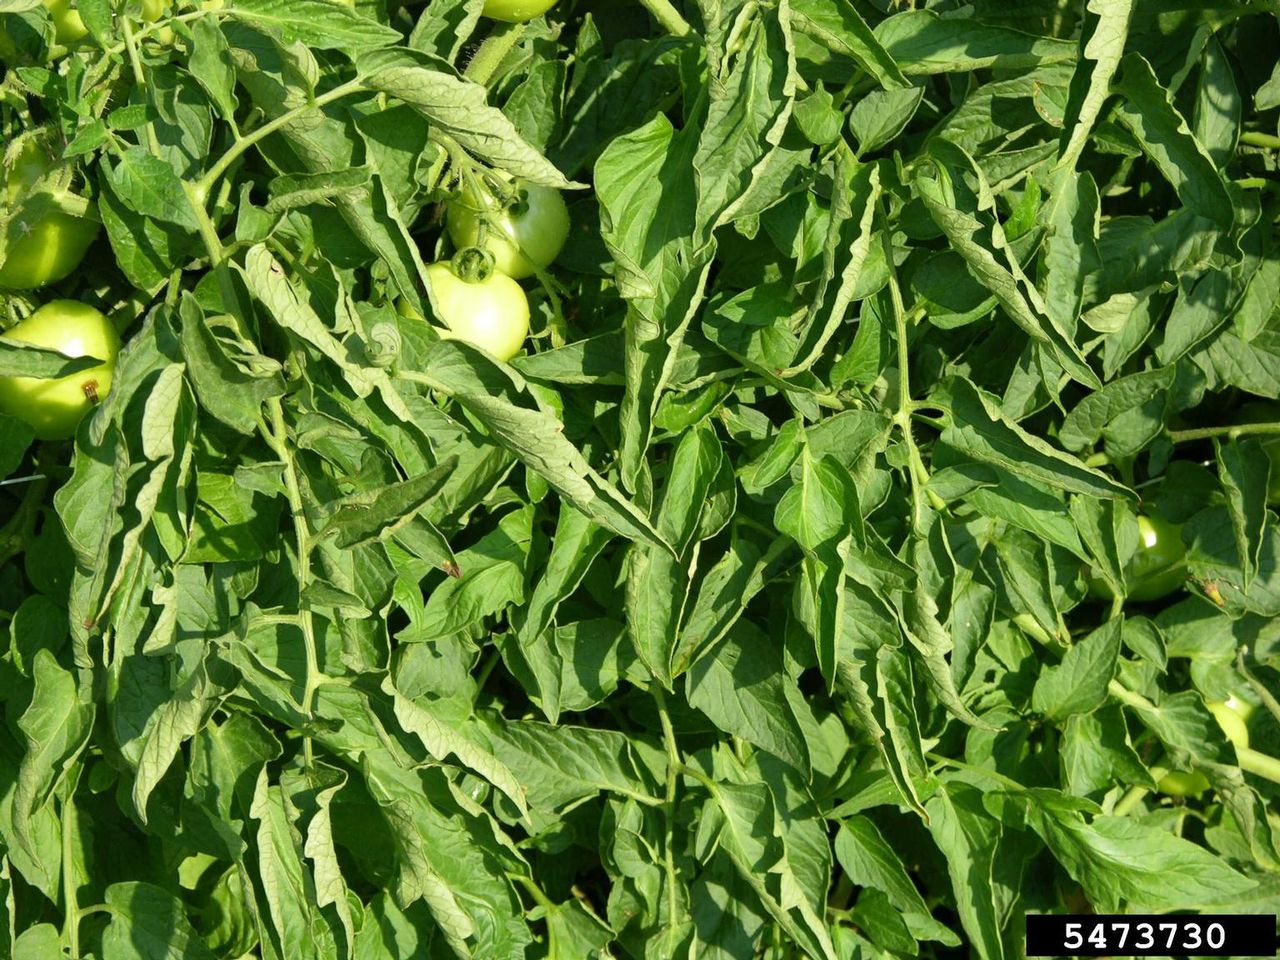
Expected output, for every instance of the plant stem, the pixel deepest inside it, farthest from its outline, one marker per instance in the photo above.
(1126, 804)
(493, 51)
(261, 133)
(674, 766)
(1231, 432)
(277, 437)
(668, 16)
(1260, 140)
(1129, 697)
(917, 472)
(71, 923)
(1258, 763)
(140, 78)
(535, 891)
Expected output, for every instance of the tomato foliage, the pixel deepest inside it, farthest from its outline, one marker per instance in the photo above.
(666, 478)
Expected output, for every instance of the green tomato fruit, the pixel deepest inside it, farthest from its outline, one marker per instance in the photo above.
(52, 248)
(516, 11)
(524, 238)
(54, 244)
(1179, 783)
(492, 314)
(68, 28)
(1232, 715)
(54, 408)
(1156, 568)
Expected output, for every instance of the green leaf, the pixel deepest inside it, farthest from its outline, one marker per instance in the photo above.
(1079, 683)
(979, 429)
(457, 108)
(1124, 863)
(316, 23)
(149, 923)
(1148, 111)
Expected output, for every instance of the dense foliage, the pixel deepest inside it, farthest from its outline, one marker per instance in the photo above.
(784, 594)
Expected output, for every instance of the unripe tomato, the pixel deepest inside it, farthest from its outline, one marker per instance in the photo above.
(524, 237)
(53, 248)
(516, 11)
(67, 25)
(52, 245)
(1179, 783)
(492, 313)
(55, 407)
(1156, 568)
(1232, 715)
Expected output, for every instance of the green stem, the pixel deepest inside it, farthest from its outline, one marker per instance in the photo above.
(668, 16)
(918, 475)
(261, 133)
(493, 51)
(1258, 763)
(1260, 140)
(1230, 432)
(1128, 697)
(71, 923)
(140, 78)
(535, 891)
(277, 437)
(674, 765)
(1129, 802)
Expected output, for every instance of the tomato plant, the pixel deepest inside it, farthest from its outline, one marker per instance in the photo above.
(524, 234)
(516, 11)
(716, 594)
(51, 243)
(491, 313)
(55, 407)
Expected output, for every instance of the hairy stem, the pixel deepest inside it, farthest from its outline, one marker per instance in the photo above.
(493, 51)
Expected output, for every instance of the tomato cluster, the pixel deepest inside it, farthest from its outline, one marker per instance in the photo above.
(518, 231)
(46, 246)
